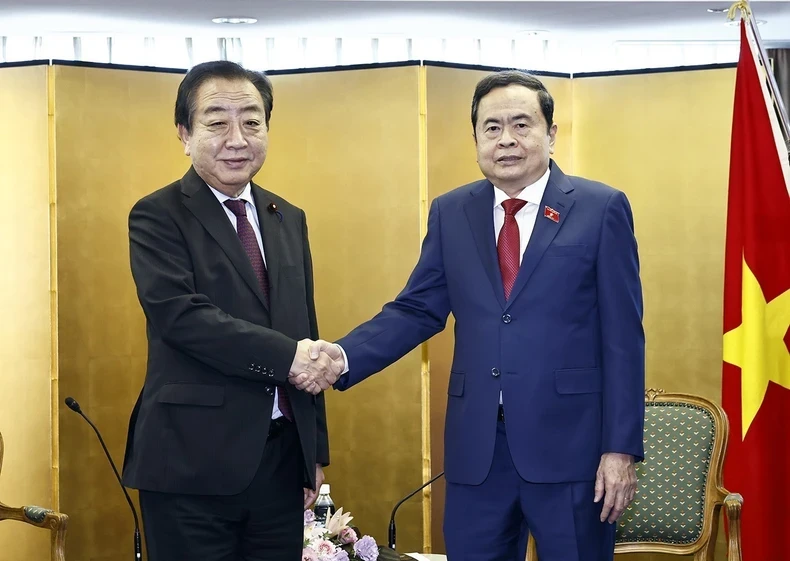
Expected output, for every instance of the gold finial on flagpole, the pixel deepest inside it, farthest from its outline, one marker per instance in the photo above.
(743, 6)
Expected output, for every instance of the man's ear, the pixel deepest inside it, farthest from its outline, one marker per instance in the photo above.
(552, 137)
(184, 136)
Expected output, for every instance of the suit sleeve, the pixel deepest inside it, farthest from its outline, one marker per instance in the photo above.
(187, 320)
(419, 312)
(622, 333)
(322, 435)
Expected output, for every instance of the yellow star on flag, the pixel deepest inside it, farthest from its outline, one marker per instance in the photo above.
(757, 345)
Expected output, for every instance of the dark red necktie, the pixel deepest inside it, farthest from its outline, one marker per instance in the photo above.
(250, 244)
(509, 245)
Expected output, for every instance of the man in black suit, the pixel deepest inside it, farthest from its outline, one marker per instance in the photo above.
(224, 450)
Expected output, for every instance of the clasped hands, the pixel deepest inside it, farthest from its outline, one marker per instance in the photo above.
(316, 366)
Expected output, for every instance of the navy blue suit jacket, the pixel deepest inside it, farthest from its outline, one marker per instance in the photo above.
(566, 349)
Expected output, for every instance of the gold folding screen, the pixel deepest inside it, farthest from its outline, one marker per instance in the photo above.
(363, 152)
(664, 140)
(26, 329)
(344, 148)
(115, 142)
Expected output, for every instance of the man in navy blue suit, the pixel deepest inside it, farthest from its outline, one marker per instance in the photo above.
(545, 407)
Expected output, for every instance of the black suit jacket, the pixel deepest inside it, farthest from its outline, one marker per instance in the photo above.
(216, 349)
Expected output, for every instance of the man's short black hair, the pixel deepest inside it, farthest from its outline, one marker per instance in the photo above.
(197, 75)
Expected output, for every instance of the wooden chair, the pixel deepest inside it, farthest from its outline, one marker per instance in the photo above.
(41, 517)
(680, 492)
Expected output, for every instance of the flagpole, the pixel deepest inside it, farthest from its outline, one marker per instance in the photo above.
(773, 87)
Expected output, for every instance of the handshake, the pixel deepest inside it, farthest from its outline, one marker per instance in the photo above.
(316, 366)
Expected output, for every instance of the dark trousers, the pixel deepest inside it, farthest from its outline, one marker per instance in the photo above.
(491, 521)
(264, 522)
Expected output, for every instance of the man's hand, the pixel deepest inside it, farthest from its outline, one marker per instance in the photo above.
(314, 371)
(332, 349)
(616, 480)
(310, 495)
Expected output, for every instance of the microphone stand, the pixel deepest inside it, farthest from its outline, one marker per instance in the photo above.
(138, 548)
(391, 532)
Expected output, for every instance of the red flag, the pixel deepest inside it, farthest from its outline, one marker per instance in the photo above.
(756, 371)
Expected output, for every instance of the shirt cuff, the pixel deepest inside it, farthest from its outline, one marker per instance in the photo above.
(345, 359)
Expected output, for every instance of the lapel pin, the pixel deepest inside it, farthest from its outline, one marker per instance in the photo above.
(551, 214)
(272, 208)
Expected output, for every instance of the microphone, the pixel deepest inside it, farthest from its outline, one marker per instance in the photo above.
(391, 533)
(272, 208)
(72, 404)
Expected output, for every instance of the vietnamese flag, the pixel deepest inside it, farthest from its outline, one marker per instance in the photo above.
(756, 370)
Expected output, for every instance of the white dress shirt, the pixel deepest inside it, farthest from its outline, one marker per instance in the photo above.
(525, 217)
(252, 217)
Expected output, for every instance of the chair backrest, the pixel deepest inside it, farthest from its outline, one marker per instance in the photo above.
(670, 504)
(680, 493)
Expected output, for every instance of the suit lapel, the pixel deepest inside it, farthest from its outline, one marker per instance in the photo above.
(204, 205)
(557, 197)
(480, 213)
(271, 236)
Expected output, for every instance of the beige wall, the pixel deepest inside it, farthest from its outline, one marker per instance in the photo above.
(25, 332)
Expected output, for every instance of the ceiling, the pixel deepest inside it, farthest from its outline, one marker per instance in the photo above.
(610, 21)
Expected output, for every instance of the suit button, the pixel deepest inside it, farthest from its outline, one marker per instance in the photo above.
(506, 318)
(495, 372)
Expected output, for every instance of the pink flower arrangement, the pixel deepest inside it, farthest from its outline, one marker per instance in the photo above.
(336, 540)
(347, 536)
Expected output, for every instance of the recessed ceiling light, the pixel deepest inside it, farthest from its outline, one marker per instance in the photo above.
(718, 10)
(234, 20)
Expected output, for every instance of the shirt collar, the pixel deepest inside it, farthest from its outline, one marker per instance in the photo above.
(531, 193)
(246, 195)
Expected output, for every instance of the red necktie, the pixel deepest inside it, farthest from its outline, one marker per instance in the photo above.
(250, 244)
(509, 244)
